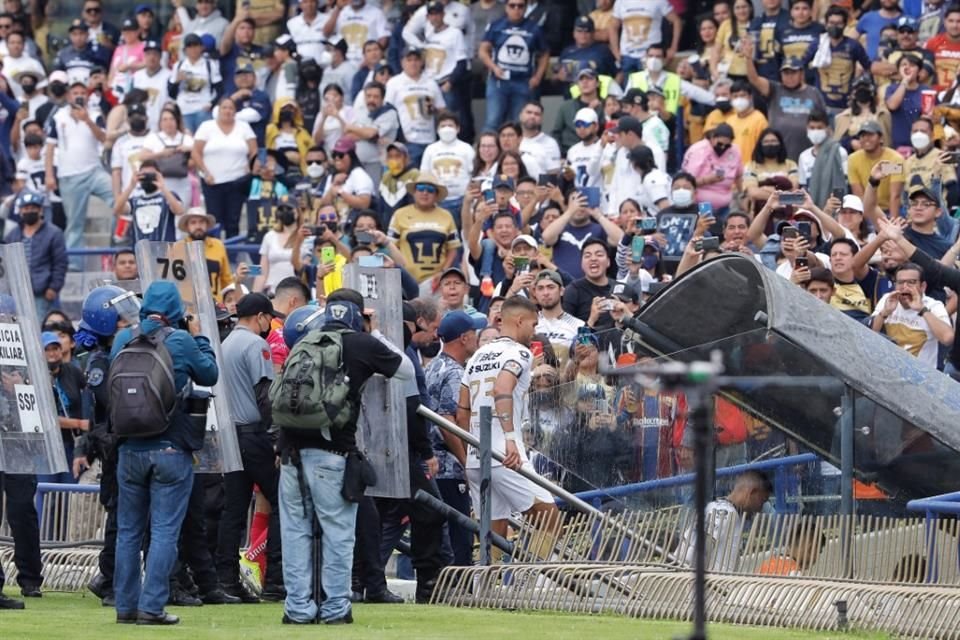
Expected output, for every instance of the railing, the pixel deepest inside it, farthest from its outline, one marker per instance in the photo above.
(234, 246)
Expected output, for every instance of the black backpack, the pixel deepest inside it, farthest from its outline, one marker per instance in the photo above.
(143, 393)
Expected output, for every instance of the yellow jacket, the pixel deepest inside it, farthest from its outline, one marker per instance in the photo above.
(303, 138)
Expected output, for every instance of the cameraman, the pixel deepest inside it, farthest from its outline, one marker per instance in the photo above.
(151, 205)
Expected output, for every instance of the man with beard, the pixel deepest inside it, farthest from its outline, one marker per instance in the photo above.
(152, 206)
(153, 79)
(535, 142)
(374, 130)
(555, 323)
(195, 223)
(586, 156)
(589, 297)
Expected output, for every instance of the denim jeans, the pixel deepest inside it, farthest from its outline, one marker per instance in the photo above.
(43, 308)
(415, 150)
(323, 478)
(504, 100)
(453, 205)
(628, 65)
(154, 490)
(193, 120)
(76, 191)
(224, 201)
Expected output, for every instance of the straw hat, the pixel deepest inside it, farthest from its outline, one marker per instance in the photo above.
(428, 178)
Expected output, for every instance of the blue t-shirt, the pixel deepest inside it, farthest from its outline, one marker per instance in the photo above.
(801, 42)
(836, 80)
(569, 246)
(767, 51)
(228, 64)
(152, 218)
(597, 56)
(871, 24)
(902, 119)
(516, 46)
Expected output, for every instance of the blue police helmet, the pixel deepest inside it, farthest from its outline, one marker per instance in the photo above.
(300, 322)
(100, 310)
(28, 198)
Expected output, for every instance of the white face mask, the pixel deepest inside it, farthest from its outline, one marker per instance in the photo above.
(325, 59)
(919, 140)
(447, 134)
(315, 170)
(654, 64)
(682, 198)
(740, 104)
(816, 136)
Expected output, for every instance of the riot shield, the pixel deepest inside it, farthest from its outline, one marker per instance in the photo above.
(30, 440)
(184, 264)
(382, 432)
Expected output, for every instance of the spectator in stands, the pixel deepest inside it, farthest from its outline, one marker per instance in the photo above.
(769, 169)
(903, 100)
(59, 323)
(584, 298)
(746, 121)
(584, 158)
(717, 167)
(356, 23)
(727, 57)
(822, 168)
(945, 47)
(341, 70)
(514, 52)
(930, 165)
(565, 130)
(207, 20)
(915, 321)
(151, 204)
(125, 265)
(195, 83)
(351, 188)
(74, 137)
(835, 78)
(817, 281)
(568, 234)
(417, 99)
(127, 58)
(451, 160)
(18, 64)
(170, 147)
(287, 135)
(399, 173)
(865, 106)
(556, 324)
(907, 42)
(874, 153)
(375, 128)
(79, 58)
(635, 26)
(196, 223)
(873, 22)
(238, 48)
(306, 29)
(425, 233)
(222, 151)
(673, 87)
(152, 78)
(447, 61)
(125, 159)
(372, 60)
(47, 257)
(654, 186)
(276, 249)
(586, 53)
(535, 142)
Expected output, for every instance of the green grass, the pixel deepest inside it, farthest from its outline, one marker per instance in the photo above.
(74, 616)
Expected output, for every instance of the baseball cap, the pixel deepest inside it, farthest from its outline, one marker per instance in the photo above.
(586, 115)
(870, 126)
(253, 304)
(344, 145)
(625, 293)
(587, 71)
(191, 40)
(634, 96)
(549, 274)
(49, 338)
(58, 76)
(136, 109)
(339, 44)
(244, 68)
(525, 239)
(78, 24)
(629, 124)
(791, 63)
(233, 287)
(151, 45)
(399, 146)
(503, 181)
(853, 202)
(435, 7)
(906, 23)
(456, 323)
(142, 8)
(922, 190)
(722, 130)
(412, 51)
(453, 271)
(129, 24)
(285, 42)
(584, 23)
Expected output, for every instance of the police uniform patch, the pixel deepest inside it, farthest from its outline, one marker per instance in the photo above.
(94, 377)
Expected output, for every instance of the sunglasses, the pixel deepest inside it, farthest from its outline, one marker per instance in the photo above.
(92, 10)
(327, 217)
(426, 188)
(336, 155)
(582, 124)
(516, 6)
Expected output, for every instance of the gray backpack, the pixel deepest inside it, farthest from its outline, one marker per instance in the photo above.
(143, 393)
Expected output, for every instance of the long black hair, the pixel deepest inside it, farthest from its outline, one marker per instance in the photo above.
(758, 156)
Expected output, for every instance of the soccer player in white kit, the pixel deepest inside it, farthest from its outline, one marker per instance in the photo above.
(498, 376)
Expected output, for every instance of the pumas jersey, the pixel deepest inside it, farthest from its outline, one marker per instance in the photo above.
(480, 376)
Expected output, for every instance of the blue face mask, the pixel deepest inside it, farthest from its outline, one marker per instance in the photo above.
(651, 261)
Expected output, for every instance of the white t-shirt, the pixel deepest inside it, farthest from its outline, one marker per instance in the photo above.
(332, 130)
(806, 161)
(451, 163)
(196, 91)
(279, 256)
(125, 156)
(640, 24)
(559, 331)
(409, 97)
(308, 37)
(455, 15)
(33, 173)
(225, 155)
(156, 88)
(479, 377)
(785, 268)
(586, 162)
(357, 26)
(724, 528)
(656, 186)
(441, 53)
(358, 183)
(545, 149)
(910, 331)
(78, 150)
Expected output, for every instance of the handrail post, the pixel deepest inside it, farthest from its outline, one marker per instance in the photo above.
(486, 507)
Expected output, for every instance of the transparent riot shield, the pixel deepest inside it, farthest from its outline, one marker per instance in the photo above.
(382, 433)
(30, 440)
(132, 286)
(184, 264)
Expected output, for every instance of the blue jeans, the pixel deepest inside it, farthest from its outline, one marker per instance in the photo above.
(453, 205)
(323, 478)
(628, 65)
(154, 489)
(505, 98)
(415, 149)
(193, 120)
(43, 308)
(76, 192)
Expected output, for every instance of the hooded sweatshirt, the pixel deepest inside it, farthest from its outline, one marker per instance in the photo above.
(192, 356)
(298, 137)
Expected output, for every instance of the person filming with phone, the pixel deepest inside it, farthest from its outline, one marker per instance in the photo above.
(874, 154)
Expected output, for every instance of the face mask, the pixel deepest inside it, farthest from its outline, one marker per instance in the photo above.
(325, 59)
(770, 150)
(889, 43)
(650, 262)
(58, 89)
(919, 140)
(655, 64)
(286, 217)
(816, 136)
(682, 197)
(740, 104)
(315, 170)
(138, 124)
(395, 167)
(723, 105)
(863, 95)
(834, 31)
(447, 134)
(30, 217)
(28, 88)
(720, 148)
(286, 117)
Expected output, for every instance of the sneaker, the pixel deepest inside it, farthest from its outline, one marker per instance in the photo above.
(347, 619)
(273, 593)
(384, 597)
(486, 287)
(6, 602)
(250, 575)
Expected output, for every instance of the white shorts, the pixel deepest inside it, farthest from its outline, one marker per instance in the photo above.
(510, 492)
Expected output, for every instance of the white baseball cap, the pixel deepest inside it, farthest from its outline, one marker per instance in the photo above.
(525, 239)
(586, 115)
(851, 201)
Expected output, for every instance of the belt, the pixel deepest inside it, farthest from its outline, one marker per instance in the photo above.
(254, 427)
(342, 454)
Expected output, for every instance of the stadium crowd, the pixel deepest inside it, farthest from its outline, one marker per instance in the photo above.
(618, 144)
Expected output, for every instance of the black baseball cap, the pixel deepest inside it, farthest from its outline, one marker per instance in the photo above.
(584, 23)
(722, 130)
(253, 304)
(629, 123)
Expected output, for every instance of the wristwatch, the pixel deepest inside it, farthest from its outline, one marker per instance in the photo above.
(922, 311)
